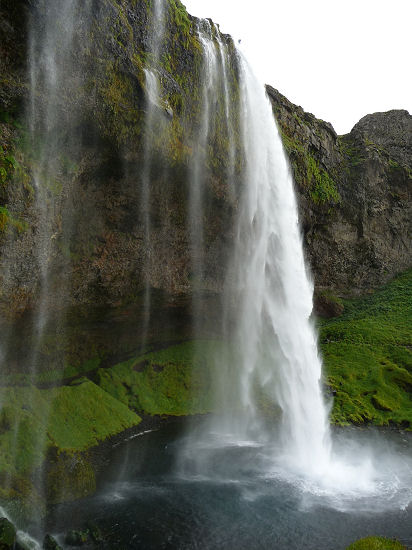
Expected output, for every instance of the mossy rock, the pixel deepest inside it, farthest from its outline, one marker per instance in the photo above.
(328, 305)
(7, 534)
(376, 543)
(76, 538)
(90, 534)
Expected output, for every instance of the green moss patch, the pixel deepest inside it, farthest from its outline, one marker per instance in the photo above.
(376, 543)
(320, 185)
(368, 357)
(322, 188)
(175, 381)
(70, 418)
(7, 220)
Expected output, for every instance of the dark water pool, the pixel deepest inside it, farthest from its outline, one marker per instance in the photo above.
(144, 504)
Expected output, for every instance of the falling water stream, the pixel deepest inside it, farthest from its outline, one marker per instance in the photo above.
(54, 142)
(151, 119)
(198, 172)
(268, 385)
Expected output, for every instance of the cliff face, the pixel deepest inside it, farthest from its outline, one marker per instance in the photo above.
(108, 97)
(95, 264)
(94, 241)
(354, 191)
(354, 195)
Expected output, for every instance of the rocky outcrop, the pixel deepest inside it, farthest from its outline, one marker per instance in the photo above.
(355, 195)
(391, 131)
(7, 534)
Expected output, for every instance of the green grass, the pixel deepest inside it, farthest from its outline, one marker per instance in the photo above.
(56, 427)
(175, 381)
(180, 16)
(70, 418)
(368, 357)
(376, 543)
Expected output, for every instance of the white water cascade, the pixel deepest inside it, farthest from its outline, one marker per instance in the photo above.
(151, 119)
(197, 168)
(276, 351)
(52, 71)
(268, 384)
(230, 112)
(275, 358)
(25, 540)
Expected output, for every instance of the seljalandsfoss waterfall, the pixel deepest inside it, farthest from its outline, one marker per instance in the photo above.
(205, 325)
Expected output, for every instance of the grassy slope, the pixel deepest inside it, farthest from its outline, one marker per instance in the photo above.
(69, 418)
(75, 417)
(174, 381)
(368, 357)
(57, 425)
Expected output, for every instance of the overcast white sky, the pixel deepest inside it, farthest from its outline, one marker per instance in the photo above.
(339, 59)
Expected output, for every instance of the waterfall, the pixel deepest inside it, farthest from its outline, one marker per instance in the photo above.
(269, 404)
(268, 383)
(55, 140)
(267, 380)
(198, 164)
(230, 114)
(55, 149)
(151, 119)
(277, 360)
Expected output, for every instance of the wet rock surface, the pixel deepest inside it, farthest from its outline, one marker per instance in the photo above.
(50, 543)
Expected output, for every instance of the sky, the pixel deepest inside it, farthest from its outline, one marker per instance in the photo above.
(338, 59)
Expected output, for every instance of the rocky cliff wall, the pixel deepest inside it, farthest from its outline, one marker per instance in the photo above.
(101, 188)
(98, 258)
(354, 195)
(354, 191)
